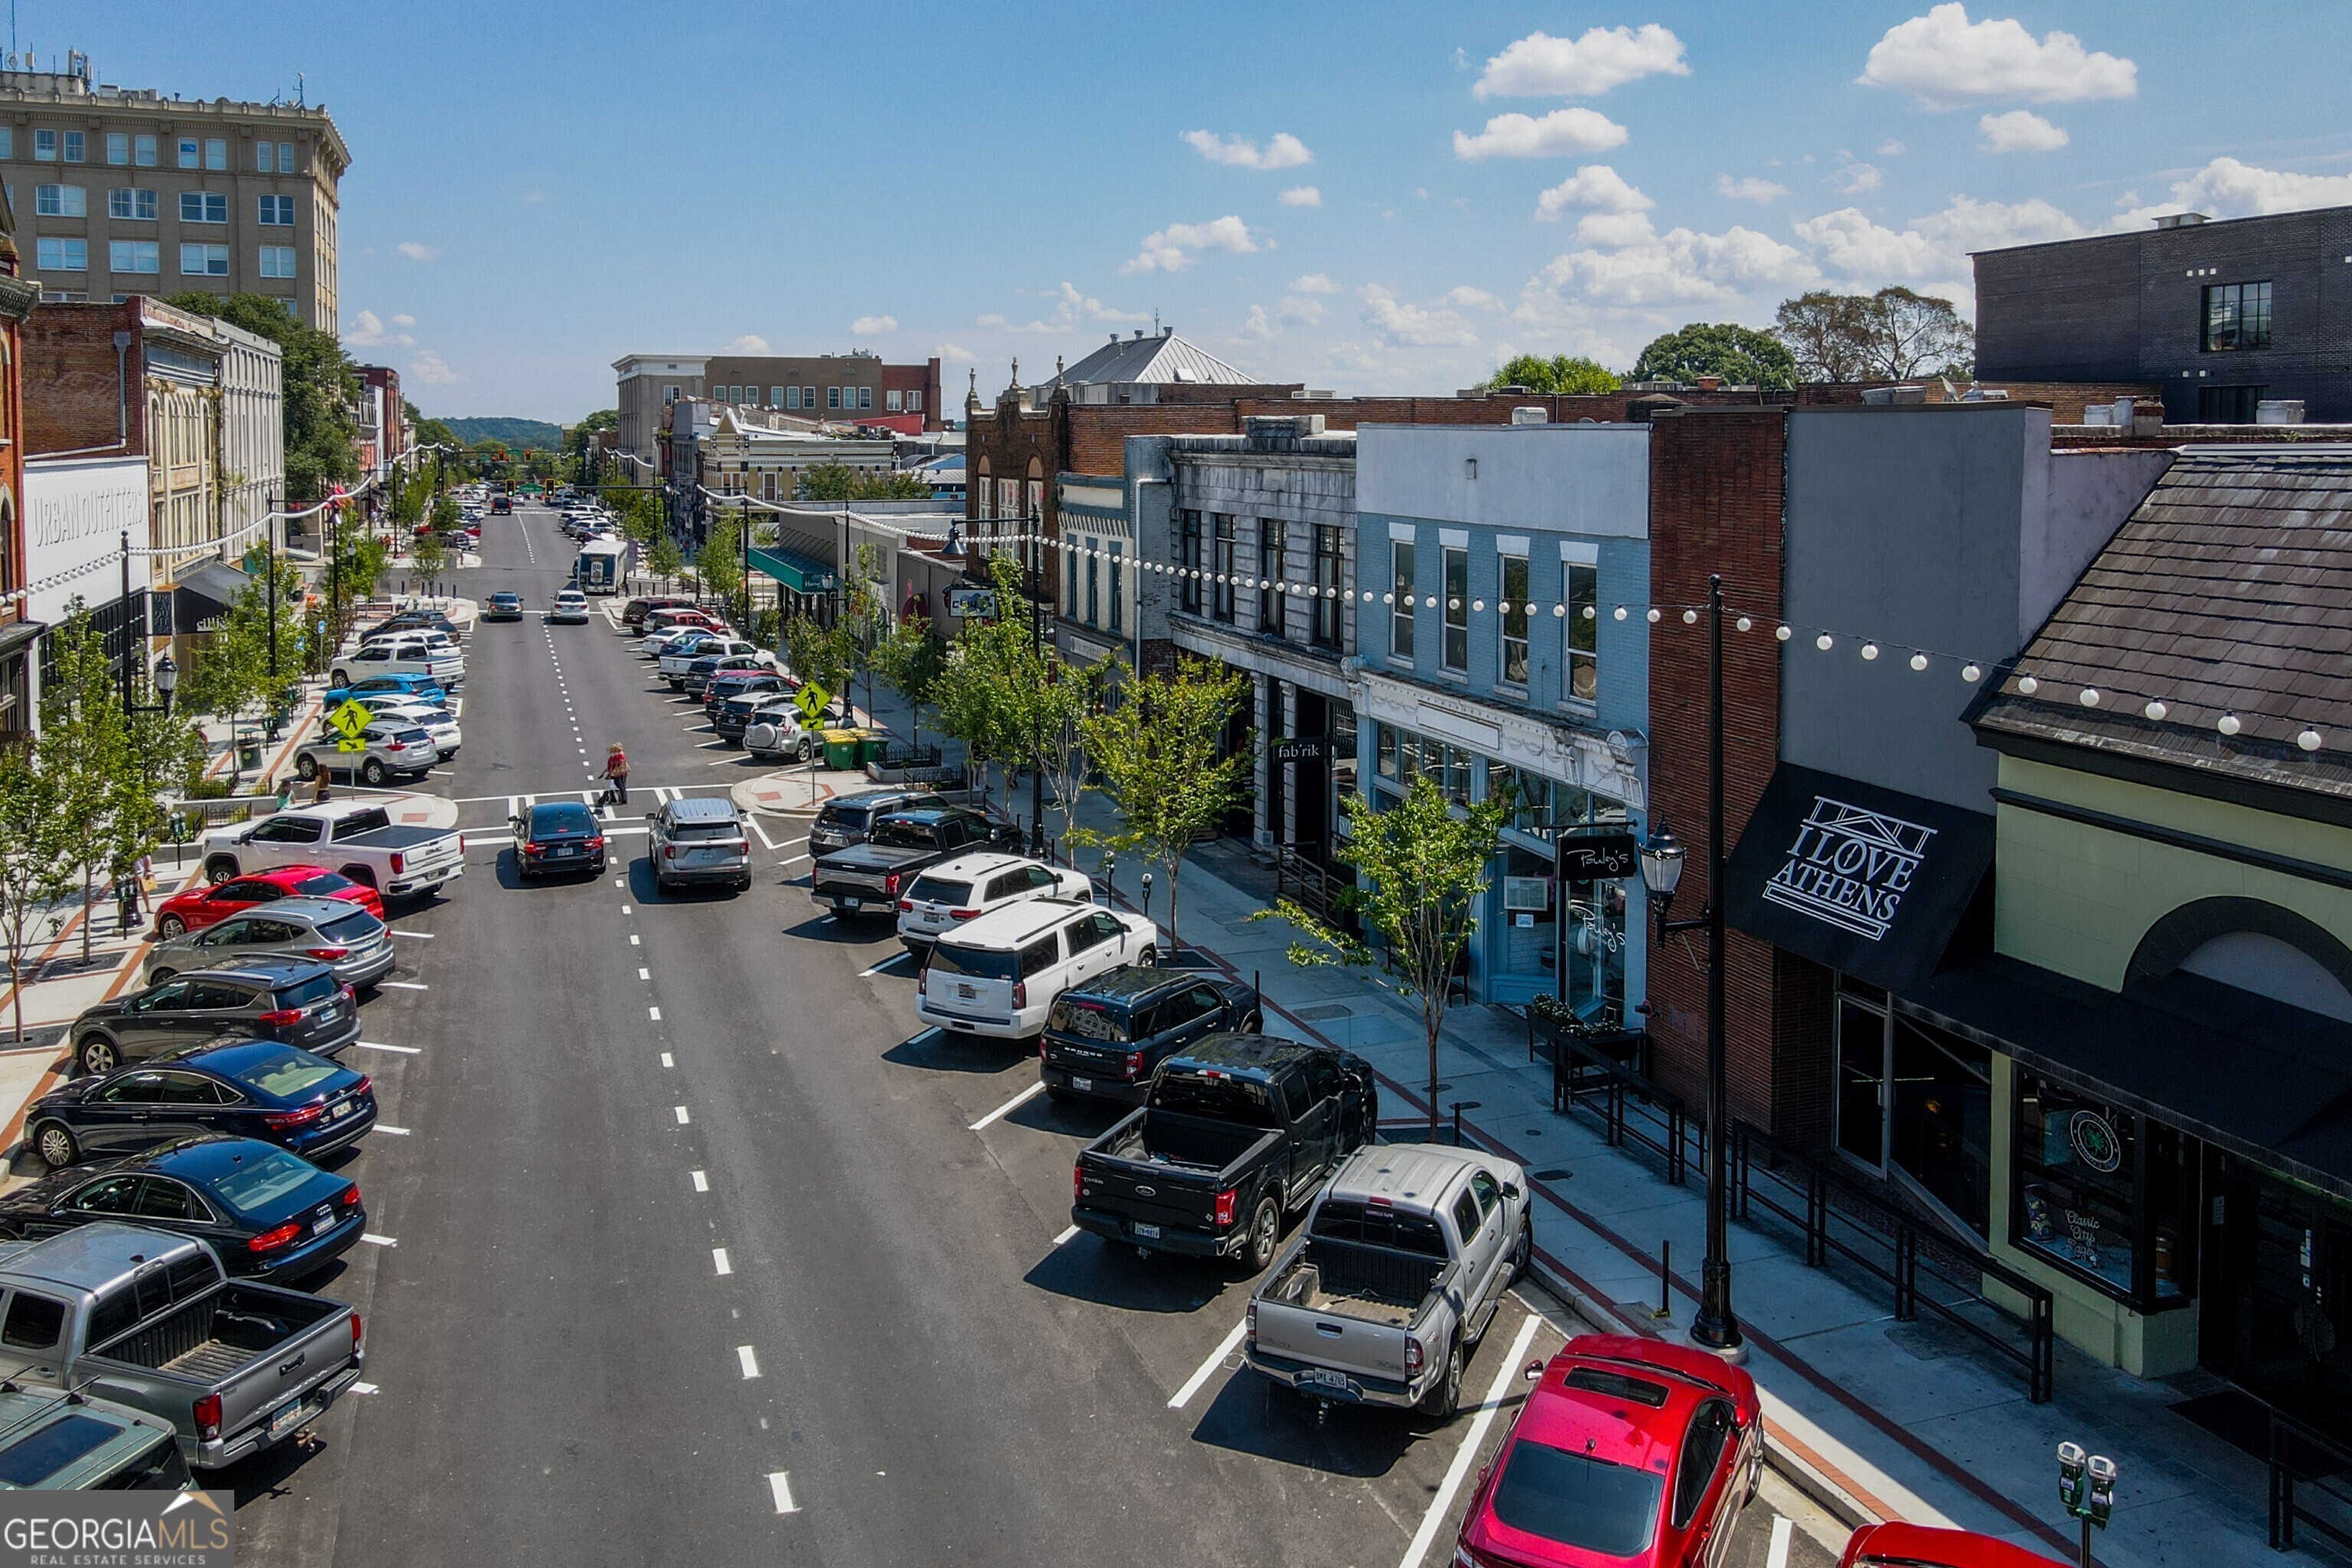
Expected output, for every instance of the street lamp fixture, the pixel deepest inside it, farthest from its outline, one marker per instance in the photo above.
(166, 681)
(1662, 866)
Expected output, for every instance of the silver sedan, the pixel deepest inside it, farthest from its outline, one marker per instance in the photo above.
(341, 934)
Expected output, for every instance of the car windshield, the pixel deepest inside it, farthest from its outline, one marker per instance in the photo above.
(939, 890)
(1346, 1219)
(325, 885)
(893, 835)
(1577, 1500)
(852, 817)
(705, 830)
(1088, 1021)
(980, 963)
(1220, 1098)
(265, 1182)
(351, 928)
(286, 1074)
(571, 818)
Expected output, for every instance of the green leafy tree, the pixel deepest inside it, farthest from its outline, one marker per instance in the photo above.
(578, 439)
(909, 659)
(720, 562)
(411, 496)
(1742, 356)
(664, 560)
(1163, 752)
(85, 742)
(432, 558)
(986, 689)
(356, 563)
(839, 482)
(1564, 374)
(1829, 333)
(38, 841)
(1892, 335)
(1069, 698)
(320, 387)
(1421, 866)
(820, 656)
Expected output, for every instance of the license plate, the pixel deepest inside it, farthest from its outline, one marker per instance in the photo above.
(340, 1112)
(1082, 1085)
(567, 849)
(287, 1419)
(969, 992)
(1148, 1232)
(1320, 1379)
(320, 1227)
(852, 903)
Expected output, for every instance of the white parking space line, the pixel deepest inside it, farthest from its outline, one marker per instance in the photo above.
(719, 1260)
(927, 1034)
(364, 1388)
(780, 1487)
(1467, 1454)
(666, 1061)
(645, 975)
(886, 964)
(1066, 1236)
(406, 985)
(1208, 1368)
(764, 834)
(791, 843)
(395, 1131)
(419, 935)
(633, 939)
(701, 1181)
(680, 1112)
(372, 1239)
(1015, 1103)
(751, 1362)
(375, 1046)
(624, 909)
(722, 763)
(1777, 1554)
(791, 859)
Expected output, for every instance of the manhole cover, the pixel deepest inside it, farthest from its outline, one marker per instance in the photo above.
(1554, 1175)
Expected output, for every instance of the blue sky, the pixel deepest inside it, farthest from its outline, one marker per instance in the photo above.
(538, 189)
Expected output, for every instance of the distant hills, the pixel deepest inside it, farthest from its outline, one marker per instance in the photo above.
(515, 433)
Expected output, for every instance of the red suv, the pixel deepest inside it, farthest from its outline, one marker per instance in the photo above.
(1897, 1545)
(1627, 1451)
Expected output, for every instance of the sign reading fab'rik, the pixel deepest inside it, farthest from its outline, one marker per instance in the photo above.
(1869, 881)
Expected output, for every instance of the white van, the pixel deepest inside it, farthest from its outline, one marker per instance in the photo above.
(998, 976)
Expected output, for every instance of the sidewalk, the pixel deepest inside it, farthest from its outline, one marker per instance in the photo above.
(1872, 1418)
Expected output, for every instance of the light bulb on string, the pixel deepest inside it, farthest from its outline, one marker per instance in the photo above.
(1620, 611)
(1744, 624)
(2155, 711)
(1782, 632)
(2090, 697)
(1971, 673)
(2027, 685)
(1869, 652)
(1825, 642)
(2310, 740)
(1918, 661)
(2227, 724)
(1690, 617)
(1653, 615)
(1559, 612)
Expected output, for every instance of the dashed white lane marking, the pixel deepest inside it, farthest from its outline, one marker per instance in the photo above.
(654, 1013)
(680, 1112)
(719, 1260)
(406, 985)
(419, 935)
(633, 940)
(780, 1487)
(1015, 1103)
(751, 1362)
(1426, 1536)
(645, 975)
(624, 909)
(403, 1050)
(877, 968)
(372, 1239)
(701, 1181)
(395, 1131)
(665, 1060)
(1208, 1368)
(1066, 1236)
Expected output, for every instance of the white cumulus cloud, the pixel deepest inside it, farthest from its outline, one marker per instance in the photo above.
(428, 369)
(417, 252)
(1283, 152)
(1748, 189)
(1258, 324)
(2019, 131)
(368, 331)
(1300, 311)
(1072, 308)
(1890, 147)
(1596, 187)
(1934, 249)
(1613, 229)
(1301, 196)
(1171, 250)
(1541, 66)
(1474, 299)
(950, 351)
(1313, 283)
(1643, 267)
(1416, 325)
(2228, 188)
(1562, 134)
(873, 326)
(1853, 179)
(749, 344)
(1945, 61)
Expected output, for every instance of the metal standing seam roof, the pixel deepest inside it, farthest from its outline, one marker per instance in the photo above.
(1163, 358)
(702, 808)
(2227, 592)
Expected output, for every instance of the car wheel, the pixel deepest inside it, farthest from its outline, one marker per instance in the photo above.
(170, 926)
(99, 1055)
(157, 976)
(1264, 1234)
(1445, 1398)
(219, 869)
(1253, 1024)
(373, 773)
(1523, 1251)
(54, 1142)
(1148, 957)
(306, 767)
(340, 677)
(805, 749)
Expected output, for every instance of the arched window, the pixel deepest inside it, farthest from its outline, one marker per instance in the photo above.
(2254, 946)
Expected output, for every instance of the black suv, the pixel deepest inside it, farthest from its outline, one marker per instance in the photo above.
(717, 689)
(844, 821)
(296, 1001)
(1105, 1038)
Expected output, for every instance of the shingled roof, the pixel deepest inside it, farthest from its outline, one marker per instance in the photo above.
(2227, 594)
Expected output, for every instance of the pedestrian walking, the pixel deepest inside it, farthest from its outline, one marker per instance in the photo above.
(615, 775)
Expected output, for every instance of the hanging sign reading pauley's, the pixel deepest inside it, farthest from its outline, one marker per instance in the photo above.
(1869, 881)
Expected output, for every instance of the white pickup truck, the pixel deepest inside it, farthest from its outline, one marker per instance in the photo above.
(356, 837)
(736, 651)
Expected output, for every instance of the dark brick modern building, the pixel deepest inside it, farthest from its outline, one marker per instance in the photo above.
(2223, 316)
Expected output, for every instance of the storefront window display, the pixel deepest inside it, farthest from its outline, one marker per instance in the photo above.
(2105, 1194)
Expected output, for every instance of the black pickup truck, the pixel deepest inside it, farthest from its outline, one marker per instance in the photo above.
(865, 878)
(1237, 1134)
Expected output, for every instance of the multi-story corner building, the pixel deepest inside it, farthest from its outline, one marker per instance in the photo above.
(855, 388)
(126, 192)
(380, 431)
(252, 439)
(19, 625)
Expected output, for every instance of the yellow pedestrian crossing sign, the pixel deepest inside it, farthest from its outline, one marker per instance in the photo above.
(812, 700)
(350, 721)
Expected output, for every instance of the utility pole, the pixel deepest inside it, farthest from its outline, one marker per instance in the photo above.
(129, 647)
(1037, 645)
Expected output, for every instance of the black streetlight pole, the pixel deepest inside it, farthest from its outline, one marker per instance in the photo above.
(269, 535)
(1717, 1327)
(1037, 642)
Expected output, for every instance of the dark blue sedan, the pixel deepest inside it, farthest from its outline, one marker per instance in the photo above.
(264, 1211)
(251, 1089)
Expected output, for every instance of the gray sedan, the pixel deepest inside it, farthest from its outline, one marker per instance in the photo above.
(340, 935)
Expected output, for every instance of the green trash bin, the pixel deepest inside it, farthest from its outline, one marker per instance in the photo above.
(871, 745)
(840, 749)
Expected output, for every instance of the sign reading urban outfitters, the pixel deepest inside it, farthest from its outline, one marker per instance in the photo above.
(1869, 881)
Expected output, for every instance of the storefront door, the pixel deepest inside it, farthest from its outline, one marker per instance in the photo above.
(2277, 1317)
(1915, 1103)
(1310, 784)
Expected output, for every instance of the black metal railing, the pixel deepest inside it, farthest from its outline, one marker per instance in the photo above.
(1951, 1279)
(2307, 1464)
(1299, 873)
(1598, 1070)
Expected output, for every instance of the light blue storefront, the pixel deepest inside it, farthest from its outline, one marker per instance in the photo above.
(1496, 658)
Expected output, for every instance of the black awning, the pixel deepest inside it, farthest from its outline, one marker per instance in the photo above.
(1870, 881)
(204, 594)
(2270, 1081)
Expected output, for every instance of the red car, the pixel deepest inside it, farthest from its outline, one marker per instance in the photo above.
(1627, 1451)
(200, 907)
(1919, 1546)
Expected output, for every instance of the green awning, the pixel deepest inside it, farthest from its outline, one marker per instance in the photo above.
(802, 573)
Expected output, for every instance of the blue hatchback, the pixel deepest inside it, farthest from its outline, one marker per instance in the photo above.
(420, 686)
(264, 1211)
(252, 1088)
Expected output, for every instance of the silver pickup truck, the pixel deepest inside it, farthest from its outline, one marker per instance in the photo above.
(148, 1319)
(1407, 1255)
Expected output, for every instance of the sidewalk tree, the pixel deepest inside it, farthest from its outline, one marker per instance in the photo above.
(864, 612)
(987, 692)
(909, 659)
(664, 560)
(432, 558)
(37, 844)
(84, 742)
(1421, 866)
(839, 483)
(1065, 701)
(720, 562)
(1164, 753)
(821, 654)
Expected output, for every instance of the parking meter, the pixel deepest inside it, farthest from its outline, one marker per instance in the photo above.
(2103, 1489)
(2072, 1464)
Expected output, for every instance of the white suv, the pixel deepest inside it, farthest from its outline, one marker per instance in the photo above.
(1000, 974)
(971, 885)
(399, 655)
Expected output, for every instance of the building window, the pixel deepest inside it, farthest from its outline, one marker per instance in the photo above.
(142, 152)
(2237, 316)
(265, 157)
(118, 147)
(1188, 561)
(204, 261)
(1094, 582)
(1583, 580)
(1455, 656)
(191, 157)
(1036, 501)
(1403, 756)
(45, 146)
(2106, 1196)
(8, 141)
(914, 403)
(1221, 565)
(833, 397)
(890, 401)
(1326, 604)
(277, 261)
(57, 254)
(276, 211)
(1401, 616)
(1269, 571)
(1118, 604)
(76, 144)
(215, 154)
(286, 158)
(61, 201)
(775, 397)
(1514, 607)
(134, 255)
(865, 397)
(203, 206)
(131, 205)
(669, 394)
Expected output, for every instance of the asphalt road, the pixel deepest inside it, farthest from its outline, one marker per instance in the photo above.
(704, 1255)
